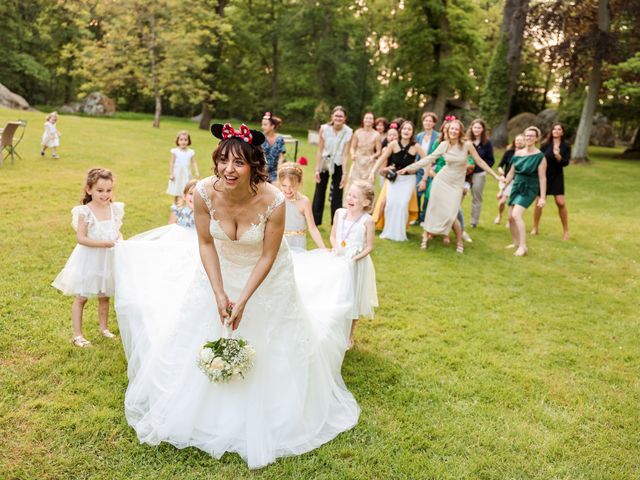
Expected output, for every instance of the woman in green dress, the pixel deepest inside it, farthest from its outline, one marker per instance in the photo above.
(529, 174)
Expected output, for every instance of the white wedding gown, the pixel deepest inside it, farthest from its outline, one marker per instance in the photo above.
(292, 401)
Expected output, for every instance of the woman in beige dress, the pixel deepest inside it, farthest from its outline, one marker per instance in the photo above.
(447, 186)
(365, 147)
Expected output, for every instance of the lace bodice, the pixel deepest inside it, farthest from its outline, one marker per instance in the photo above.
(248, 247)
(99, 229)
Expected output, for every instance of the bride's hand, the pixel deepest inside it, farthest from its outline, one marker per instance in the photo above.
(224, 305)
(236, 315)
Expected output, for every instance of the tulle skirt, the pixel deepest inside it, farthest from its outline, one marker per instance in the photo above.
(87, 273)
(292, 401)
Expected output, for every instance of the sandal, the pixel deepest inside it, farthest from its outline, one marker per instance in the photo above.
(460, 248)
(424, 242)
(107, 334)
(80, 341)
(510, 246)
(55, 156)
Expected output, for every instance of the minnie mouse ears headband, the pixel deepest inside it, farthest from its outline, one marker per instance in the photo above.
(226, 131)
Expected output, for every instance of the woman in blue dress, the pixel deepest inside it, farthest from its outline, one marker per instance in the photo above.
(273, 146)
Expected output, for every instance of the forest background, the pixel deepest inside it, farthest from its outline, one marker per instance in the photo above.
(298, 58)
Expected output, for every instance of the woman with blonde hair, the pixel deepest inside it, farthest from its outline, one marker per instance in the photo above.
(529, 174)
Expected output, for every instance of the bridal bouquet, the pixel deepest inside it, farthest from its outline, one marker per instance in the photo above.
(225, 359)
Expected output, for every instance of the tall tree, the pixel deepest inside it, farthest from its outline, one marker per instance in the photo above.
(213, 48)
(581, 143)
(430, 55)
(150, 47)
(505, 65)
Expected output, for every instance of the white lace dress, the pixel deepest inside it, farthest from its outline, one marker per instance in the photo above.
(294, 398)
(89, 270)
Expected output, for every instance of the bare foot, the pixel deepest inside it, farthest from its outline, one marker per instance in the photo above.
(534, 231)
(520, 252)
(565, 236)
(446, 240)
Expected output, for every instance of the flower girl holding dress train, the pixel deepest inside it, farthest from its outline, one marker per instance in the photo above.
(352, 236)
(299, 217)
(89, 270)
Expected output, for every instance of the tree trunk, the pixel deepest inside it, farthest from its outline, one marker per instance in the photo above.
(513, 23)
(634, 150)
(155, 83)
(275, 56)
(206, 116)
(158, 111)
(437, 19)
(207, 105)
(595, 81)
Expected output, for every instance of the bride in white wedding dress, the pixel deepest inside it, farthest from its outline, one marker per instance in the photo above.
(293, 399)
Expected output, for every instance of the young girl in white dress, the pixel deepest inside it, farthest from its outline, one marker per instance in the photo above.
(299, 217)
(51, 135)
(352, 236)
(183, 159)
(89, 270)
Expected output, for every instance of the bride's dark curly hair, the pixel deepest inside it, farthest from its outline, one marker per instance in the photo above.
(252, 154)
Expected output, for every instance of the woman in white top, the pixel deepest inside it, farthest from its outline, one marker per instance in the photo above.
(332, 160)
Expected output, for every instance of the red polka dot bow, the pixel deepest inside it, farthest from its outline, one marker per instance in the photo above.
(243, 133)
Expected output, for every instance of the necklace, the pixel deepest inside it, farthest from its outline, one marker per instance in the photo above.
(343, 243)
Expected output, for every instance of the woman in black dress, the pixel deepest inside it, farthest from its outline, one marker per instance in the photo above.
(558, 154)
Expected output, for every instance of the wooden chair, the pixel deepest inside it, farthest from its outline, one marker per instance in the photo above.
(8, 141)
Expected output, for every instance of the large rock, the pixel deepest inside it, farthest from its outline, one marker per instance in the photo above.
(546, 118)
(95, 104)
(602, 135)
(517, 124)
(9, 99)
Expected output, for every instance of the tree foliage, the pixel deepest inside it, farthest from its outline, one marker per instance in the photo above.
(295, 58)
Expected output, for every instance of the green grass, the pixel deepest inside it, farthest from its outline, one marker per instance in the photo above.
(479, 365)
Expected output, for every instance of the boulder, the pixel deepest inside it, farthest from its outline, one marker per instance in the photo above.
(9, 99)
(95, 104)
(602, 135)
(517, 124)
(546, 118)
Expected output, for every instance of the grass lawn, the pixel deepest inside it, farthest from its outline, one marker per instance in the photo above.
(479, 365)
